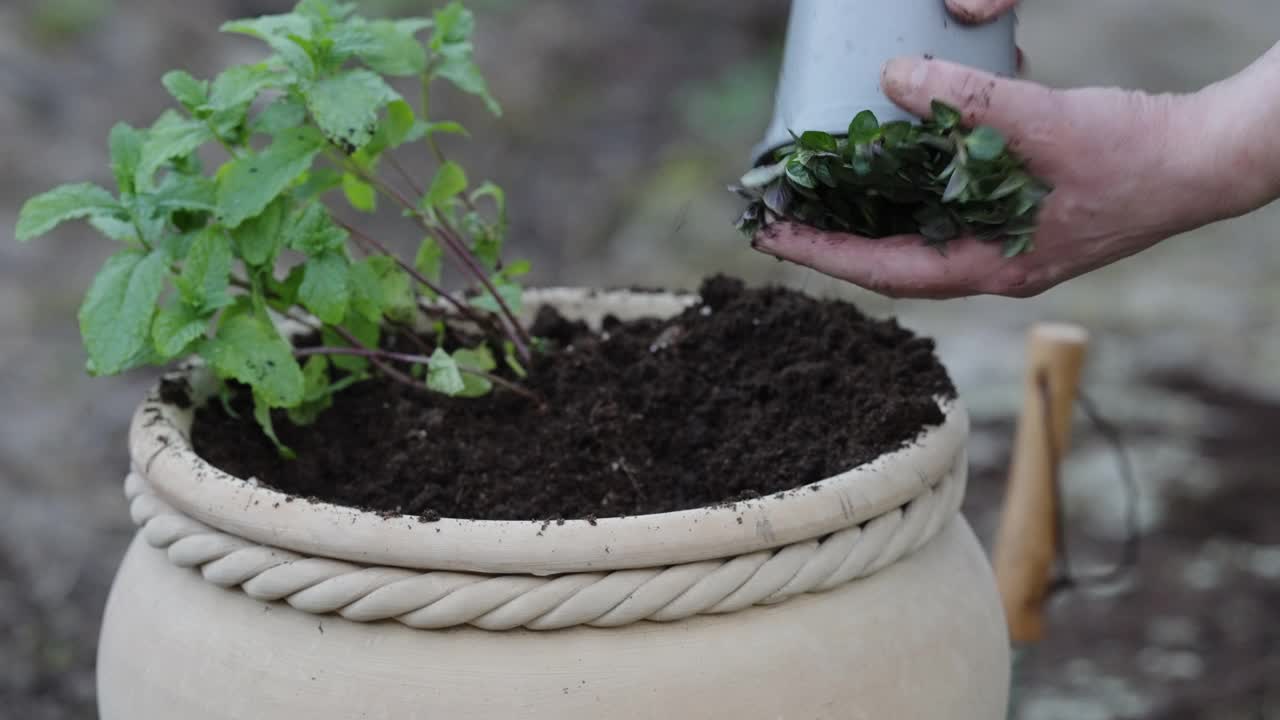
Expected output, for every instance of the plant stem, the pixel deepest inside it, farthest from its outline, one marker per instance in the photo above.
(426, 107)
(514, 329)
(461, 307)
(404, 174)
(375, 355)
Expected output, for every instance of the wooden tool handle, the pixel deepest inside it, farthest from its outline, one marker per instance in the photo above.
(1026, 543)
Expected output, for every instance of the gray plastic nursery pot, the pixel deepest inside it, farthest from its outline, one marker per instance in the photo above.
(835, 50)
(866, 596)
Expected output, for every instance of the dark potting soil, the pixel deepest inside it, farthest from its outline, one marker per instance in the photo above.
(753, 392)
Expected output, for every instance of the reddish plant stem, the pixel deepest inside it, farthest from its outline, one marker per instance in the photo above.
(375, 355)
(415, 187)
(513, 327)
(358, 348)
(460, 306)
(404, 174)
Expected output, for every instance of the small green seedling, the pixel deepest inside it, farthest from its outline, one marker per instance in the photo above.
(208, 256)
(936, 178)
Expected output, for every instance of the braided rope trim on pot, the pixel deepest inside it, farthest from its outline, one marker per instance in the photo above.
(442, 599)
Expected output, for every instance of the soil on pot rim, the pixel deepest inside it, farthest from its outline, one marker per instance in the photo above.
(752, 392)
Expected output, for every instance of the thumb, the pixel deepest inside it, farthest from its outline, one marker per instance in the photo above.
(1010, 106)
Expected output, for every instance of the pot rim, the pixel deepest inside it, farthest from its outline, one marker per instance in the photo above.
(161, 452)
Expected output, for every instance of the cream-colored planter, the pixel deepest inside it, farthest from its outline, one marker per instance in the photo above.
(865, 595)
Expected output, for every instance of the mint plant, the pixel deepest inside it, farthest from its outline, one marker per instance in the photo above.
(935, 178)
(204, 256)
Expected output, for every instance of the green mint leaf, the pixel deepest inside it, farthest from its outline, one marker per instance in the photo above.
(365, 332)
(260, 238)
(984, 143)
(486, 242)
(247, 185)
(818, 141)
(398, 125)
(324, 12)
(479, 358)
(1016, 245)
(388, 47)
(319, 391)
(262, 415)
(944, 116)
(237, 86)
(474, 386)
(800, 175)
(398, 299)
(285, 291)
(325, 290)
(175, 246)
(864, 128)
(282, 34)
(346, 106)
(360, 194)
(317, 182)
(176, 327)
(510, 292)
(957, 186)
(313, 232)
(822, 171)
(185, 192)
(896, 133)
(170, 137)
(126, 152)
(115, 318)
(512, 360)
(459, 68)
(366, 289)
(489, 190)
(443, 375)
(188, 91)
(1030, 196)
(1010, 185)
(46, 211)
(454, 23)
(116, 229)
(266, 26)
(450, 180)
(206, 272)
(429, 260)
(444, 127)
(248, 348)
(282, 114)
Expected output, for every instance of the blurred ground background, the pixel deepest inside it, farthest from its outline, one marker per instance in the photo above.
(625, 119)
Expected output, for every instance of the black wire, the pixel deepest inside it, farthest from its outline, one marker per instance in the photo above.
(1068, 578)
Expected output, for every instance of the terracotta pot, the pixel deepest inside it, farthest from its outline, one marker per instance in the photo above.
(865, 595)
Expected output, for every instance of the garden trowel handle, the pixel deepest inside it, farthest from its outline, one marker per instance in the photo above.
(1026, 544)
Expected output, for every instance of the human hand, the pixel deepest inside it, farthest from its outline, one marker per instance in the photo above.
(1128, 169)
(976, 12)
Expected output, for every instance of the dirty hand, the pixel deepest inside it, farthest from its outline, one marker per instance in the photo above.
(1128, 169)
(979, 11)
